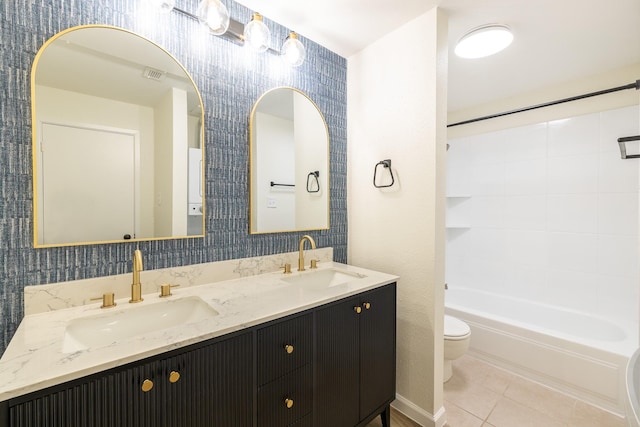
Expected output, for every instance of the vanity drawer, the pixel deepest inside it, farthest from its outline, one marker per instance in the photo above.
(284, 346)
(286, 401)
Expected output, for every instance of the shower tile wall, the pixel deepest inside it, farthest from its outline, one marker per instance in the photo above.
(548, 212)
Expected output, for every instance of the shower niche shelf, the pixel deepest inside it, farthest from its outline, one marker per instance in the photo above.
(458, 211)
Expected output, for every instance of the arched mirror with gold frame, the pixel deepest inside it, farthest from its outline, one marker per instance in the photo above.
(118, 132)
(289, 163)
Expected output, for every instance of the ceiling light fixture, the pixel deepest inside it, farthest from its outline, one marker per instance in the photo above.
(257, 34)
(484, 41)
(214, 15)
(293, 51)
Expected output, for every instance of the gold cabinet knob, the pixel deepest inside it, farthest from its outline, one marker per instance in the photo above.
(357, 309)
(147, 385)
(288, 348)
(289, 403)
(174, 377)
(367, 305)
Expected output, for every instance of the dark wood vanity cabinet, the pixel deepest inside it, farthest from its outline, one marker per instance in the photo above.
(211, 385)
(329, 366)
(284, 356)
(355, 360)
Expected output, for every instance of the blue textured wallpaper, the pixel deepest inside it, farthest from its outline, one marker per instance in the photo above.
(230, 81)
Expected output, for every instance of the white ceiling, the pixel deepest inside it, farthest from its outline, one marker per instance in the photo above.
(555, 40)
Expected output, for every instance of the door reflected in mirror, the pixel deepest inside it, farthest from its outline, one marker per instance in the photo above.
(117, 141)
(289, 164)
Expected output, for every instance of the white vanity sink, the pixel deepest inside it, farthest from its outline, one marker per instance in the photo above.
(325, 278)
(118, 324)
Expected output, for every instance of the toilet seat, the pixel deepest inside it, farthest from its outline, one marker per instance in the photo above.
(455, 329)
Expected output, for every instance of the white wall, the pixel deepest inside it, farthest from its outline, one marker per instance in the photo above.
(171, 163)
(312, 153)
(163, 162)
(71, 107)
(396, 110)
(180, 163)
(274, 206)
(552, 213)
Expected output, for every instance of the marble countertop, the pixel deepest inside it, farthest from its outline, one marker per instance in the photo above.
(36, 357)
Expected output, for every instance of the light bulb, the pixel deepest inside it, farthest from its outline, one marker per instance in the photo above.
(484, 41)
(293, 51)
(163, 5)
(214, 15)
(257, 34)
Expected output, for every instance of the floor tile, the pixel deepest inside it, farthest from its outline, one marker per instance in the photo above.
(481, 395)
(473, 398)
(479, 372)
(585, 415)
(509, 413)
(458, 417)
(556, 405)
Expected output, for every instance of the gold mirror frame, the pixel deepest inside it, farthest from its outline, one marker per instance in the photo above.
(313, 175)
(175, 70)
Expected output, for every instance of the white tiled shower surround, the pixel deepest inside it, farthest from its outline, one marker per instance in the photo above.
(548, 212)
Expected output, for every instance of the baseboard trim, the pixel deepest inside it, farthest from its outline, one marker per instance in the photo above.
(419, 415)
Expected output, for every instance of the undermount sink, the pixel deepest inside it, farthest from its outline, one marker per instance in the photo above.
(113, 326)
(325, 278)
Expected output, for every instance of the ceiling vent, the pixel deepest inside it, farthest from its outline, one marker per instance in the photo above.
(153, 74)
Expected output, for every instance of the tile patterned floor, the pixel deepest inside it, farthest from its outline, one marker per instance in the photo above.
(481, 395)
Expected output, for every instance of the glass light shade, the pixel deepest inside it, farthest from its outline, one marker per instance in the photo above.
(293, 51)
(257, 34)
(484, 41)
(214, 15)
(163, 5)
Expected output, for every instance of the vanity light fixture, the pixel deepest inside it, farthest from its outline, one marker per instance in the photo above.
(293, 51)
(257, 34)
(484, 41)
(214, 15)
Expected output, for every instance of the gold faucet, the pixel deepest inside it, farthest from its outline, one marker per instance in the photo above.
(136, 286)
(301, 257)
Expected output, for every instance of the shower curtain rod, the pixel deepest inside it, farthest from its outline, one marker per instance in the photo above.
(635, 86)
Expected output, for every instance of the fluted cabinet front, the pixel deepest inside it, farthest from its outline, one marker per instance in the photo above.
(204, 387)
(355, 359)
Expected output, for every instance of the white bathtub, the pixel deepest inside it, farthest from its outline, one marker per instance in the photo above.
(633, 390)
(579, 354)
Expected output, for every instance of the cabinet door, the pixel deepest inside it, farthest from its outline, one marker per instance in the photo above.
(377, 349)
(209, 386)
(337, 364)
(214, 388)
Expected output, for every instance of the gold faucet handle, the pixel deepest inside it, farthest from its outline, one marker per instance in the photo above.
(287, 268)
(165, 290)
(108, 300)
(314, 263)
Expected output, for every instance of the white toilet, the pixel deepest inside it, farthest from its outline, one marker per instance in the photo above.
(456, 342)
